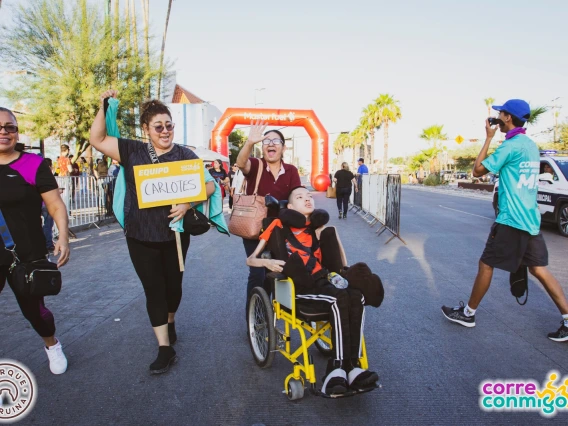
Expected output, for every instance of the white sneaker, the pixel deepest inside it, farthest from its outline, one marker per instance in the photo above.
(57, 359)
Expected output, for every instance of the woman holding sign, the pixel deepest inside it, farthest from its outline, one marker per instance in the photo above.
(151, 242)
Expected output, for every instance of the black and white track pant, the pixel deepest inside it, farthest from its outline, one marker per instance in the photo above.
(346, 315)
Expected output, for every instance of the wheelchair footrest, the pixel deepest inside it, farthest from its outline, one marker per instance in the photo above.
(351, 392)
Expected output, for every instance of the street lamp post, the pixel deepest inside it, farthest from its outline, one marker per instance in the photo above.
(258, 90)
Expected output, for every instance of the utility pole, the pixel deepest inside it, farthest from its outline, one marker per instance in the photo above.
(555, 116)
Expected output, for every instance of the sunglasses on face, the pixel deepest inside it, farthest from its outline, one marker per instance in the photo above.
(160, 128)
(10, 128)
(272, 141)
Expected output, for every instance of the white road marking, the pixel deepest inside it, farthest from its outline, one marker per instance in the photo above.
(471, 214)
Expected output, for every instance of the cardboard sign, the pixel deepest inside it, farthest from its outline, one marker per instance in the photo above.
(165, 184)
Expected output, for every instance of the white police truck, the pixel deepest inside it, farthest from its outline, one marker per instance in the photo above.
(552, 195)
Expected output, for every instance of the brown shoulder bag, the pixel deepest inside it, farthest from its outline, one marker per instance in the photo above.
(248, 211)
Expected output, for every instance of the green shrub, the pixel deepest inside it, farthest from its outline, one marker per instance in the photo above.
(403, 178)
(433, 180)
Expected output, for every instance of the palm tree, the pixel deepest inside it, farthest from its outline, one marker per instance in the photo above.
(536, 112)
(361, 135)
(388, 111)
(357, 138)
(431, 156)
(164, 47)
(146, 19)
(434, 135)
(370, 122)
(340, 144)
(488, 103)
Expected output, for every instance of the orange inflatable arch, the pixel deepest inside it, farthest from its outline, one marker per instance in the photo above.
(319, 177)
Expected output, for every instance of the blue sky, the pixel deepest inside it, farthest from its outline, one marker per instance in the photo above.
(439, 58)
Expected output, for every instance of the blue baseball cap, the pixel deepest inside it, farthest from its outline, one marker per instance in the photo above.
(516, 107)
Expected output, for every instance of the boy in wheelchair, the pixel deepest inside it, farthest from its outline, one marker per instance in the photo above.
(301, 236)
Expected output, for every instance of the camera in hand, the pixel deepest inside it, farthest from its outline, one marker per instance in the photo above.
(494, 121)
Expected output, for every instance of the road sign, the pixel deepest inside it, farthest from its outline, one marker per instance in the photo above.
(459, 139)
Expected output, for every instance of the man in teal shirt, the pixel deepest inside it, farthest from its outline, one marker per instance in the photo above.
(515, 241)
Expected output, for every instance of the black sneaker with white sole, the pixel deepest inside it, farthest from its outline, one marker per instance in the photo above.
(560, 335)
(457, 315)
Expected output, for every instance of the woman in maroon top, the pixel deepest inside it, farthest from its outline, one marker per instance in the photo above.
(277, 179)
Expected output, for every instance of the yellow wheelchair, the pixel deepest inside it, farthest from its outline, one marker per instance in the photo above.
(266, 339)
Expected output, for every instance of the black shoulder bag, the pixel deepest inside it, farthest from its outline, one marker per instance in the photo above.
(194, 222)
(36, 279)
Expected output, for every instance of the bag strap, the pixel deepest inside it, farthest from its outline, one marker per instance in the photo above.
(291, 238)
(5, 234)
(244, 184)
(258, 175)
(152, 152)
(9, 243)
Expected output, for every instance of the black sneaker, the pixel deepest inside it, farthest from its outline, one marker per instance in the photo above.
(344, 215)
(340, 215)
(560, 335)
(457, 315)
(166, 357)
(335, 380)
(172, 332)
(360, 379)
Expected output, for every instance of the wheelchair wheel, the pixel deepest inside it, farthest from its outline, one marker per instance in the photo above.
(295, 389)
(261, 332)
(323, 347)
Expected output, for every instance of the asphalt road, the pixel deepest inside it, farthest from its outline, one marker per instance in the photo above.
(430, 369)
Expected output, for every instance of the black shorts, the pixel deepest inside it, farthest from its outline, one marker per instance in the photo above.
(508, 248)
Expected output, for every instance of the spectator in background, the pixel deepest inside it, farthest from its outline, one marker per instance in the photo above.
(75, 175)
(101, 172)
(220, 175)
(236, 184)
(362, 169)
(114, 169)
(232, 173)
(64, 170)
(63, 162)
(343, 179)
(102, 169)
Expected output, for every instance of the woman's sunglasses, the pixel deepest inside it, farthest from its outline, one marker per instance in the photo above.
(159, 128)
(10, 128)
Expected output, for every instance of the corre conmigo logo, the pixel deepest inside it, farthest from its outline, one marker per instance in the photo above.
(18, 391)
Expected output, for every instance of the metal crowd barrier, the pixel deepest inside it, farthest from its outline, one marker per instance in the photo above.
(88, 200)
(378, 201)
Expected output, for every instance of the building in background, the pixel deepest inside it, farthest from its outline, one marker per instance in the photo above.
(194, 118)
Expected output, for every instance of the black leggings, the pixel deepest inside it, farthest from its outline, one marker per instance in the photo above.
(157, 267)
(342, 196)
(33, 308)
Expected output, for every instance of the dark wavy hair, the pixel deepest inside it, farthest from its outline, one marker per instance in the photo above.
(152, 108)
